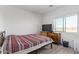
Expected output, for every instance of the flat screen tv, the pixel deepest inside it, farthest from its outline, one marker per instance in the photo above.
(47, 27)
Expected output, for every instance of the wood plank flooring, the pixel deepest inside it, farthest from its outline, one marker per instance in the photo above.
(57, 49)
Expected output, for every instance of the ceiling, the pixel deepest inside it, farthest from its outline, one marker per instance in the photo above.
(38, 8)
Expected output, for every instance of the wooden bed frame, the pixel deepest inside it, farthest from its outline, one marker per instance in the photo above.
(3, 42)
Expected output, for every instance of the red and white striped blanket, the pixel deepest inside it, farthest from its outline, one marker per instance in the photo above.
(20, 42)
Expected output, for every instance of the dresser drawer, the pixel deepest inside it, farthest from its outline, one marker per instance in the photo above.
(55, 36)
(44, 33)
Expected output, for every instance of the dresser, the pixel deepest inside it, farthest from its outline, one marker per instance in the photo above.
(56, 37)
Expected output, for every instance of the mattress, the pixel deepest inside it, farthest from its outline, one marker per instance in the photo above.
(18, 43)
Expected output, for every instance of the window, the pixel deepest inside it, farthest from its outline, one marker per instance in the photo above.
(59, 24)
(66, 24)
(71, 24)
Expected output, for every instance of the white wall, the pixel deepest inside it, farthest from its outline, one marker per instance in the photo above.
(1, 18)
(73, 38)
(18, 21)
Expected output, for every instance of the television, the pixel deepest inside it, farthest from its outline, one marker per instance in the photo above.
(47, 27)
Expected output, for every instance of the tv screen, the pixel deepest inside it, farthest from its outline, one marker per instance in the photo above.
(47, 27)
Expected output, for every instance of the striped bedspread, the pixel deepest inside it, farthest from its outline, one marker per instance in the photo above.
(20, 42)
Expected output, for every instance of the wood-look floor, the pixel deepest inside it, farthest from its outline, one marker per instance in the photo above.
(57, 49)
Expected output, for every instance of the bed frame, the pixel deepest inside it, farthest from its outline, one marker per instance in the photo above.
(4, 42)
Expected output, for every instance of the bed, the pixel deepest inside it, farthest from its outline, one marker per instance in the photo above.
(22, 44)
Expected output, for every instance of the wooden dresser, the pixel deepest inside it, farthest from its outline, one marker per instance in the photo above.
(56, 37)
